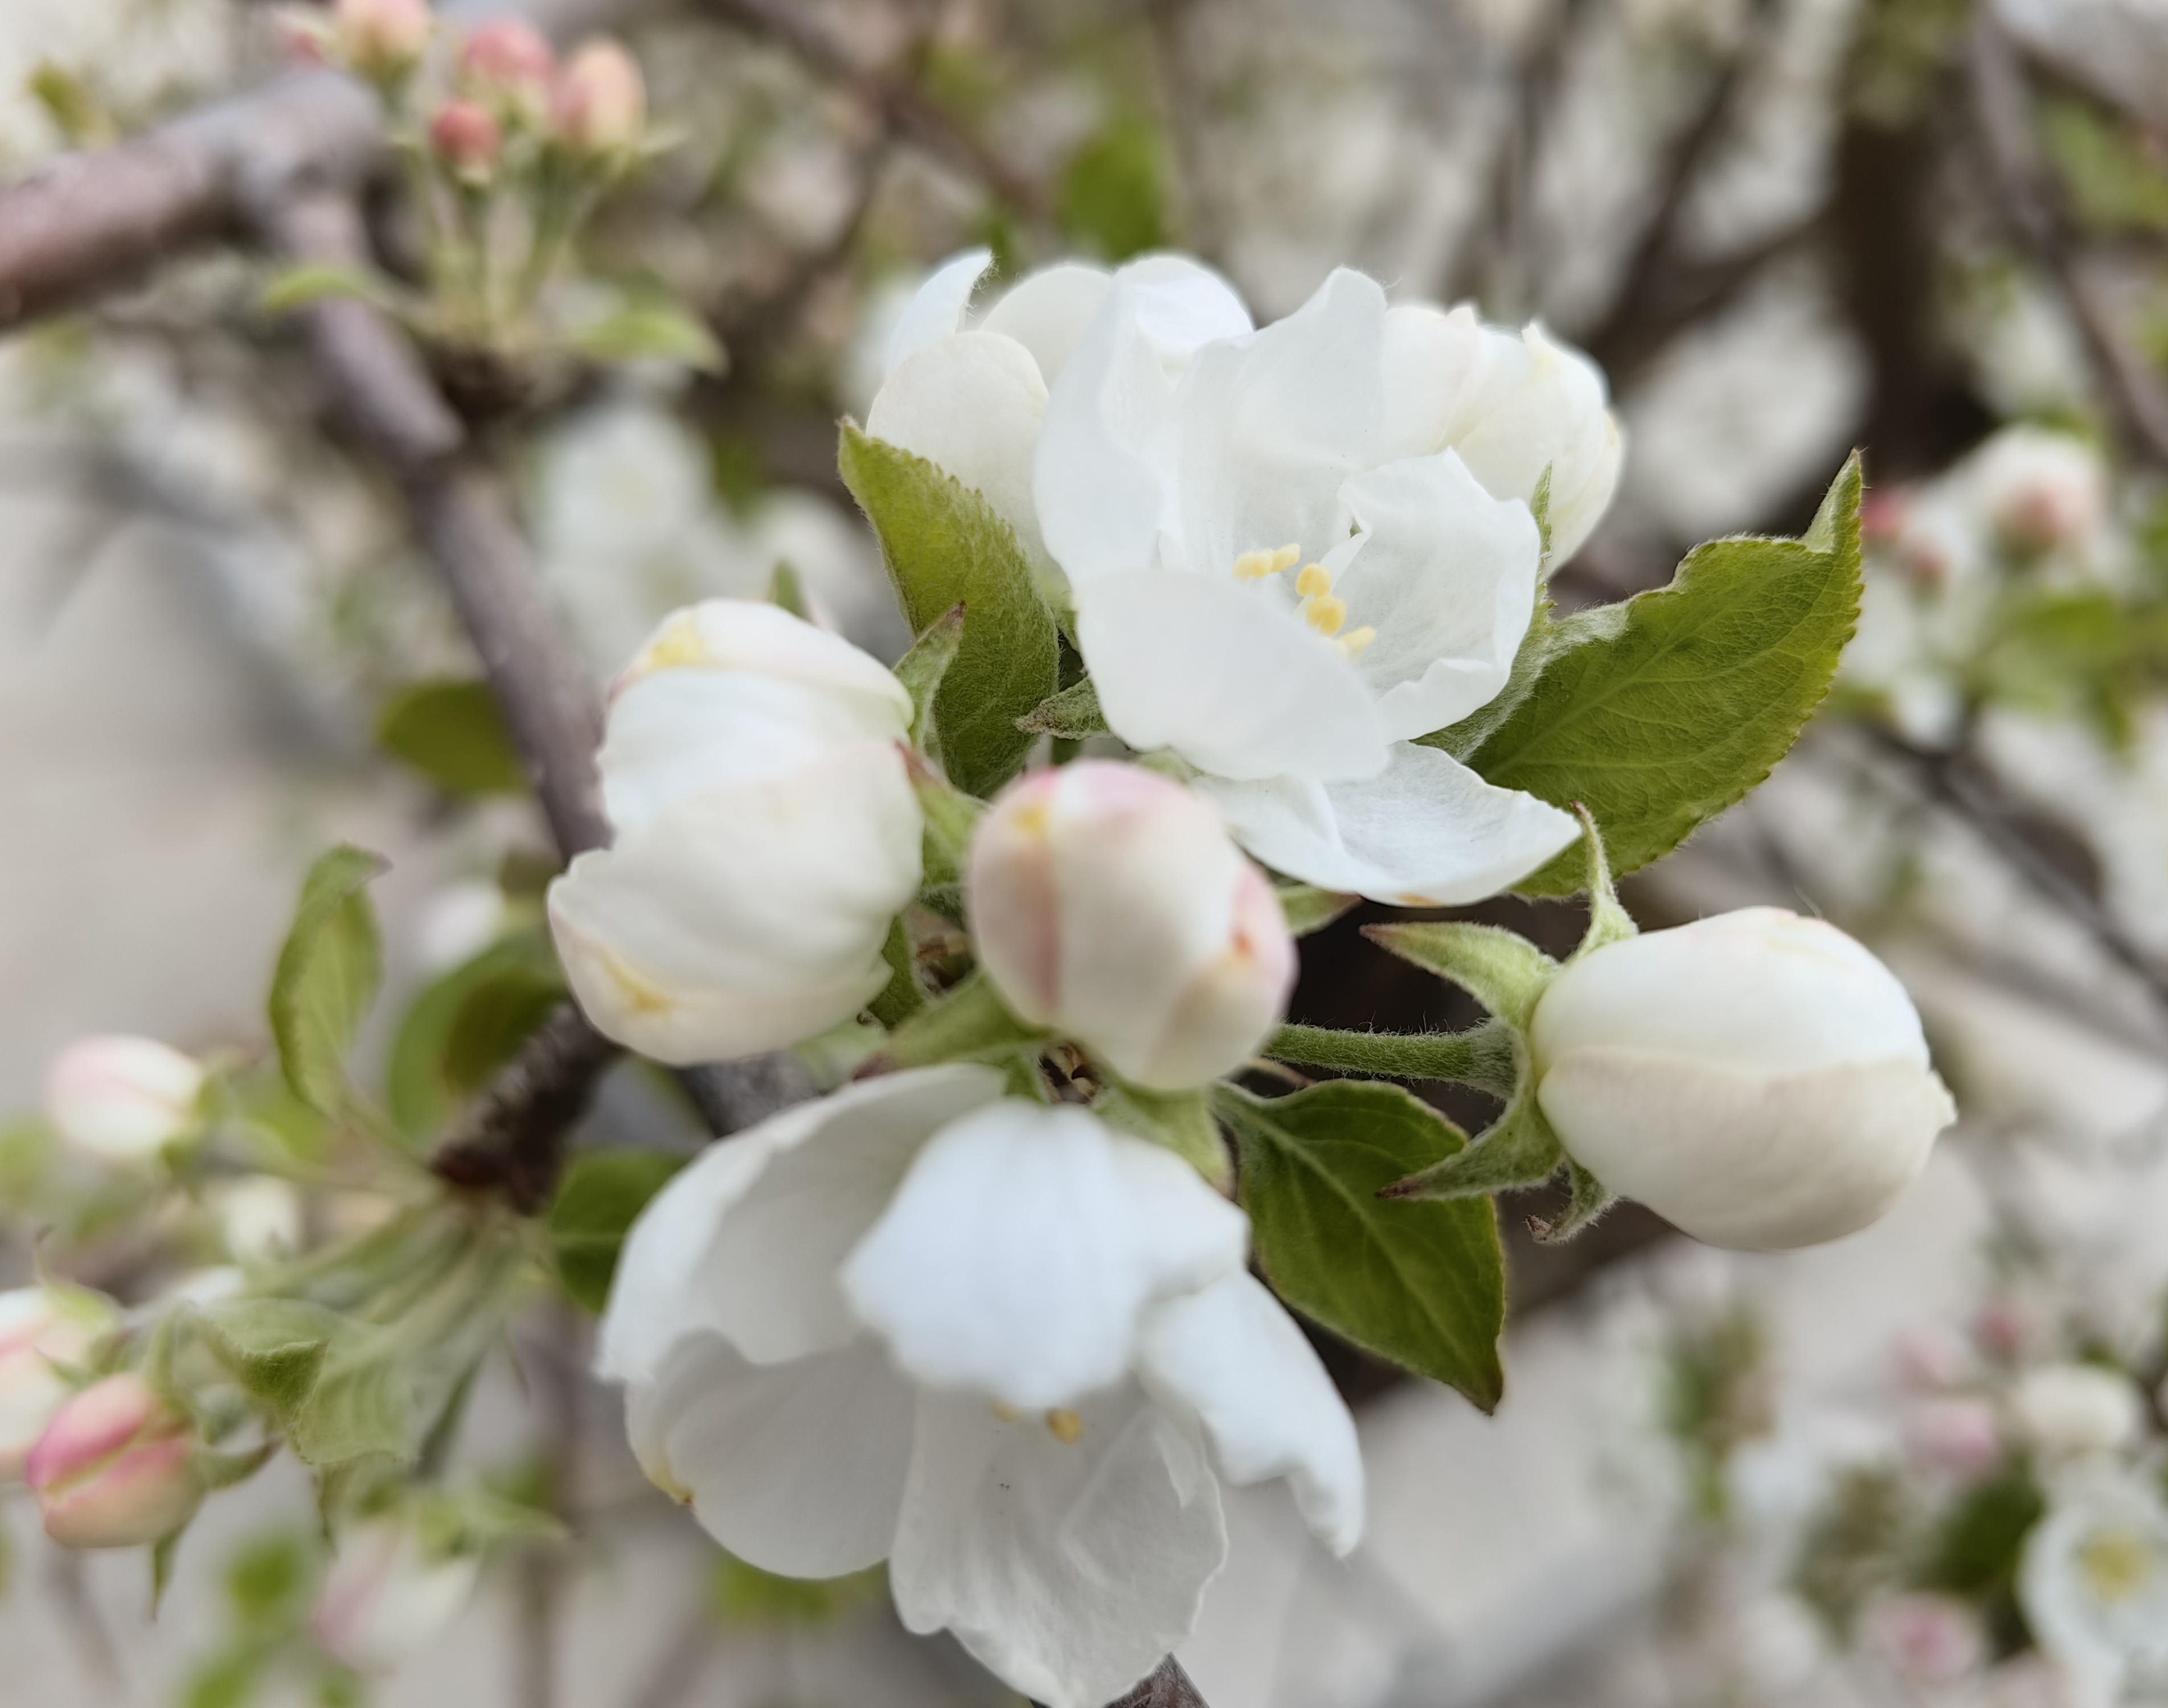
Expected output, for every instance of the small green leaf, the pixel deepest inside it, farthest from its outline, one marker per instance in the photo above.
(1659, 713)
(327, 978)
(1500, 969)
(364, 1412)
(1070, 715)
(970, 1024)
(787, 588)
(1423, 1285)
(466, 1024)
(1517, 1150)
(1309, 908)
(902, 996)
(308, 281)
(274, 1347)
(952, 817)
(945, 546)
(744, 1595)
(1113, 194)
(657, 330)
(1181, 1120)
(923, 669)
(601, 1194)
(451, 731)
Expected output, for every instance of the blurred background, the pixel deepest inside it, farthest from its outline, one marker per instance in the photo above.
(1934, 229)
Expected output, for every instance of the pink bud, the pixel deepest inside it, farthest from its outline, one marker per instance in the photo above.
(508, 67)
(1883, 514)
(1929, 1639)
(1108, 903)
(1957, 1434)
(40, 1327)
(1934, 1357)
(2042, 490)
(123, 1098)
(378, 39)
(468, 139)
(601, 102)
(385, 1595)
(1999, 1330)
(115, 1467)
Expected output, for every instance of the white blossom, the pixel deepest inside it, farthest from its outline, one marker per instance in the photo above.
(767, 834)
(2070, 1409)
(2093, 1582)
(1759, 1079)
(1000, 1345)
(1108, 902)
(387, 1594)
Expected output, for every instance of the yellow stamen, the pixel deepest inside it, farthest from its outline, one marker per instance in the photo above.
(1324, 613)
(680, 644)
(2116, 1564)
(1256, 566)
(1314, 580)
(1066, 1426)
(1355, 639)
(1008, 1413)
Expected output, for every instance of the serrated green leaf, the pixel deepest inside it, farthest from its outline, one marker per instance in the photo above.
(1659, 713)
(467, 1024)
(328, 977)
(1070, 715)
(1423, 1284)
(451, 731)
(944, 546)
(601, 1194)
(651, 331)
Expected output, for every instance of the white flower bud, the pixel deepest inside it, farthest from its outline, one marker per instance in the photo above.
(258, 1218)
(386, 1595)
(40, 1327)
(600, 105)
(2066, 1409)
(123, 1098)
(767, 834)
(115, 1467)
(1108, 902)
(1758, 1078)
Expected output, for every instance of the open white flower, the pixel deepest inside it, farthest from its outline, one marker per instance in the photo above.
(767, 833)
(2093, 1582)
(999, 1344)
(1291, 551)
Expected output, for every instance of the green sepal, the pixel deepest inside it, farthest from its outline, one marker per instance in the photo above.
(902, 997)
(970, 1024)
(951, 818)
(1309, 908)
(786, 588)
(1518, 1150)
(1482, 1056)
(1589, 1199)
(161, 1565)
(327, 976)
(1181, 1120)
(1070, 715)
(1421, 1284)
(923, 669)
(1608, 921)
(1500, 969)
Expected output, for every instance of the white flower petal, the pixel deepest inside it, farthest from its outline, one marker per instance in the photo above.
(1225, 676)
(1181, 306)
(1050, 312)
(938, 308)
(1541, 406)
(1434, 362)
(1068, 1567)
(1023, 1247)
(797, 1468)
(761, 639)
(1233, 1358)
(971, 405)
(1427, 832)
(1447, 576)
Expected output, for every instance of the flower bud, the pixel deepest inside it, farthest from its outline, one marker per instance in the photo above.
(2042, 491)
(40, 1327)
(1109, 903)
(466, 137)
(115, 1467)
(508, 67)
(767, 834)
(123, 1098)
(1759, 1079)
(600, 106)
(1957, 1434)
(2067, 1409)
(386, 1595)
(379, 38)
(1929, 1639)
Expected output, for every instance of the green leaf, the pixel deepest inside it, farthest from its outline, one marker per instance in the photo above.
(274, 1347)
(1070, 715)
(787, 588)
(1181, 1120)
(328, 977)
(1423, 1285)
(1500, 969)
(308, 281)
(1517, 1150)
(601, 1194)
(651, 331)
(923, 668)
(902, 996)
(466, 1024)
(362, 1412)
(1659, 713)
(451, 731)
(1483, 1057)
(744, 1595)
(1113, 194)
(945, 546)
(1309, 908)
(970, 1024)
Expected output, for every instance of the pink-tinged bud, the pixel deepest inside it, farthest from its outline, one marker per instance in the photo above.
(600, 107)
(1957, 1434)
(1933, 1358)
(386, 1596)
(303, 35)
(1882, 514)
(123, 1098)
(379, 38)
(1108, 903)
(1999, 1330)
(115, 1467)
(2042, 491)
(508, 67)
(41, 1327)
(1929, 1639)
(468, 139)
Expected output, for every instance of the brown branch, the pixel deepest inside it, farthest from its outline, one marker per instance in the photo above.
(896, 100)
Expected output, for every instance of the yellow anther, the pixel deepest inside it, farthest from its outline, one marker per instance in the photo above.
(680, 644)
(1324, 613)
(1006, 1412)
(1256, 566)
(1066, 1426)
(2116, 1564)
(1354, 640)
(1314, 581)
(1284, 557)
